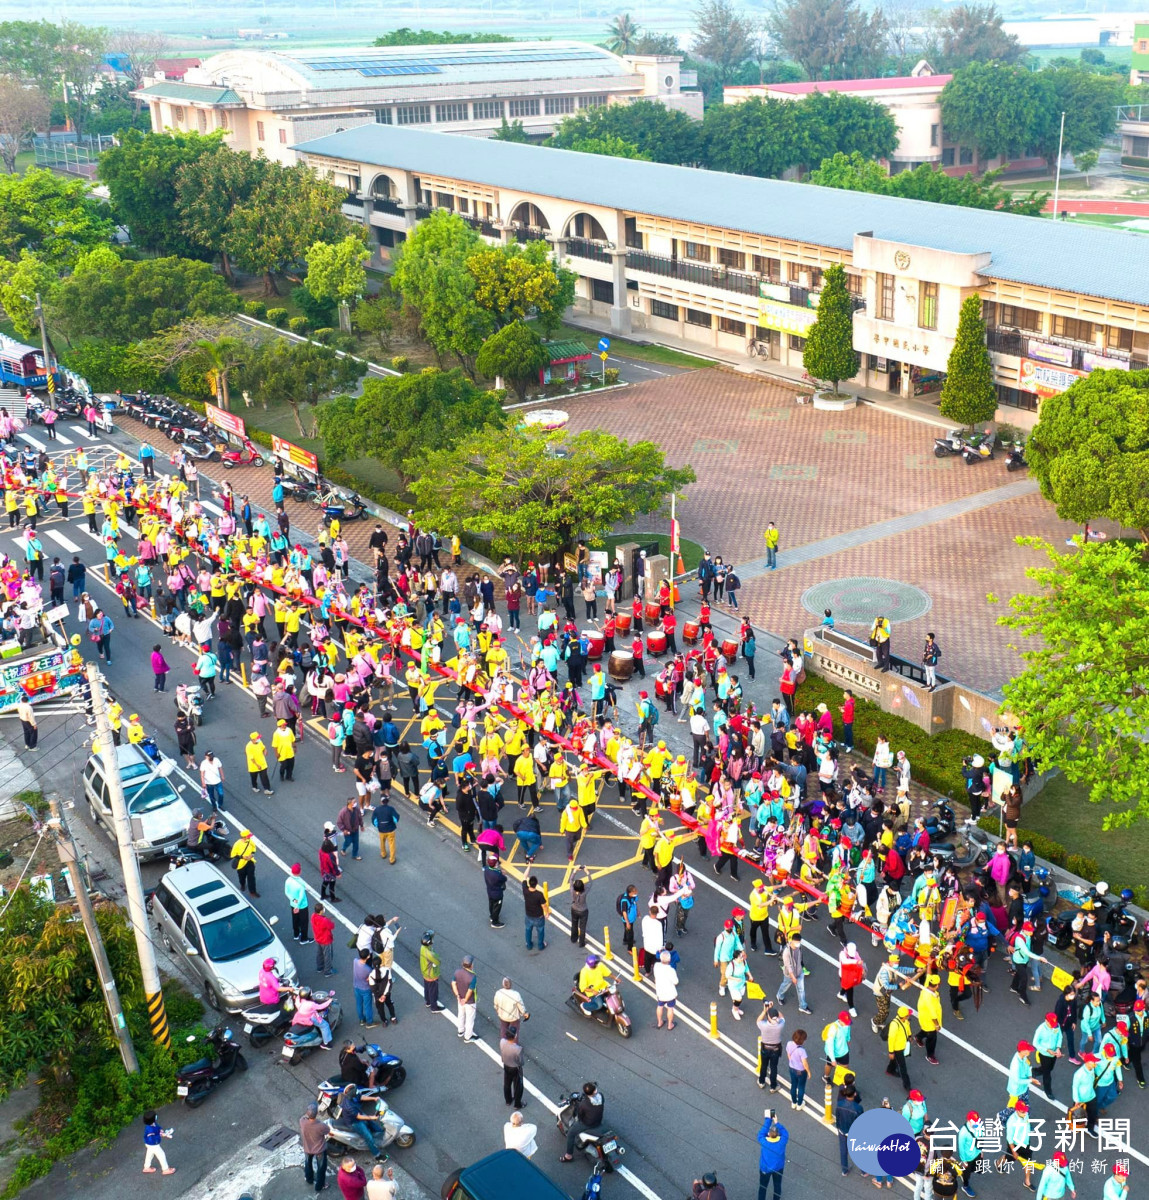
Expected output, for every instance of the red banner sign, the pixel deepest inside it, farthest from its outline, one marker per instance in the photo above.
(225, 420)
(295, 454)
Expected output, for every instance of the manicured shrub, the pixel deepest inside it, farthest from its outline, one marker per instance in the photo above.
(277, 316)
(297, 324)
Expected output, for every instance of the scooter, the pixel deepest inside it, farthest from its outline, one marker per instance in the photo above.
(390, 1073)
(389, 1128)
(300, 1040)
(1034, 904)
(1015, 457)
(971, 851)
(334, 506)
(267, 1021)
(246, 456)
(199, 1079)
(189, 701)
(601, 1146)
(298, 490)
(940, 827)
(612, 1012)
(1061, 924)
(1120, 922)
(952, 443)
(979, 447)
(214, 847)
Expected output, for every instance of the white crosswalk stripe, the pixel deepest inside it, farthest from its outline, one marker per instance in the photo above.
(212, 508)
(63, 439)
(59, 538)
(39, 445)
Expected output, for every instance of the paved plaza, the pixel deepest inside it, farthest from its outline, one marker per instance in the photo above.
(854, 494)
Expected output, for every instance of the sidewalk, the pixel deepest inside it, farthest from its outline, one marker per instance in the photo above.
(913, 410)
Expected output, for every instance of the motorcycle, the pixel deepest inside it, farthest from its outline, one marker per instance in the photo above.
(266, 1021)
(1120, 923)
(215, 846)
(389, 1128)
(601, 1146)
(1034, 905)
(246, 456)
(1015, 457)
(1061, 924)
(390, 1073)
(971, 851)
(300, 1040)
(335, 506)
(941, 826)
(952, 443)
(196, 446)
(612, 1012)
(199, 1079)
(980, 446)
(1124, 999)
(189, 702)
(297, 489)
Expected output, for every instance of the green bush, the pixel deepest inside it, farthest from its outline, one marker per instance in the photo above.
(346, 480)
(318, 312)
(277, 316)
(255, 308)
(1083, 865)
(345, 342)
(297, 324)
(325, 335)
(610, 375)
(400, 363)
(936, 760)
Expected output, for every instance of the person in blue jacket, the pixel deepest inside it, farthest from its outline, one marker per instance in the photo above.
(772, 1137)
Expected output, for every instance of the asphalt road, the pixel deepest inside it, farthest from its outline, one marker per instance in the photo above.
(682, 1101)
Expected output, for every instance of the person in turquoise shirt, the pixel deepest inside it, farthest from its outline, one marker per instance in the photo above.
(1089, 1023)
(1020, 957)
(968, 1151)
(1047, 1040)
(914, 1111)
(836, 1044)
(1017, 1136)
(1056, 1180)
(1020, 1073)
(1118, 1038)
(1110, 1079)
(1117, 1185)
(1084, 1088)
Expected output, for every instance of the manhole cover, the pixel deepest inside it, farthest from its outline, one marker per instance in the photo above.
(280, 1137)
(858, 599)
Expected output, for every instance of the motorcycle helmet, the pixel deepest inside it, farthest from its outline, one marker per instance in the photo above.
(709, 1180)
(305, 993)
(1127, 894)
(269, 964)
(592, 960)
(1102, 888)
(75, 639)
(428, 937)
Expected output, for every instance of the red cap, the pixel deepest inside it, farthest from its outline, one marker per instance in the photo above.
(1109, 1050)
(738, 912)
(1121, 1170)
(1122, 1027)
(1138, 1005)
(1027, 927)
(847, 842)
(756, 775)
(844, 1017)
(1021, 1106)
(1059, 1159)
(972, 1116)
(643, 696)
(296, 869)
(727, 924)
(1025, 1047)
(1090, 1058)
(916, 1096)
(1051, 1020)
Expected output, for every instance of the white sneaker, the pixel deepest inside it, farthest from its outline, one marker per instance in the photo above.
(722, 991)
(853, 1012)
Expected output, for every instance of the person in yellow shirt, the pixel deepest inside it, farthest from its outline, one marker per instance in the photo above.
(283, 743)
(663, 860)
(516, 739)
(573, 824)
(648, 833)
(559, 775)
(526, 779)
(930, 1018)
(116, 720)
(256, 753)
(897, 1039)
(593, 980)
(761, 899)
(135, 730)
(586, 789)
(244, 854)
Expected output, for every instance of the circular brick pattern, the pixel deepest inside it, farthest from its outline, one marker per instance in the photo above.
(858, 599)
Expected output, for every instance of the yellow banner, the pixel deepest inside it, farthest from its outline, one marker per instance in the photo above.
(789, 318)
(754, 992)
(1060, 979)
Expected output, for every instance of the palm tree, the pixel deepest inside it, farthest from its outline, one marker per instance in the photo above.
(221, 357)
(622, 34)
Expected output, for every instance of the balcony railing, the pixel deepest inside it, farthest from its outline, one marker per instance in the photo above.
(1015, 342)
(387, 204)
(530, 233)
(483, 226)
(691, 272)
(586, 248)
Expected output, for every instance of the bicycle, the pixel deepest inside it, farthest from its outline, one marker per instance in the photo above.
(756, 348)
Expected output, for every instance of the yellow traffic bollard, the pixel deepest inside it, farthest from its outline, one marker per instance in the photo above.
(243, 674)
(714, 1018)
(606, 943)
(634, 963)
(828, 1113)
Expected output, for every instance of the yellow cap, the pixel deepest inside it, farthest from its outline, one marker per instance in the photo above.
(255, 737)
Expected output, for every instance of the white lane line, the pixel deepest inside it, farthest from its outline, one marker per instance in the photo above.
(22, 542)
(33, 441)
(63, 439)
(213, 508)
(82, 430)
(67, 543)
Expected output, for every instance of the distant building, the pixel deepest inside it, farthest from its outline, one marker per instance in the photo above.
(173, 68)
(914, 100)
(270, 100)
(1139, 59)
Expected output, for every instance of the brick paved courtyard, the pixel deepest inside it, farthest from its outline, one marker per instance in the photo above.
(761, 457)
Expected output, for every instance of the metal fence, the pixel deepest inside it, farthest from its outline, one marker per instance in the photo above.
(70, 153)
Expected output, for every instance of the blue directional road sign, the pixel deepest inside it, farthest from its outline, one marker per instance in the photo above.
(604, 344)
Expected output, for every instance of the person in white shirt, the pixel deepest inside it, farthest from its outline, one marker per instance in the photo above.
(382, 1185)
(517, 1135)
(665, 990)
(653, 938)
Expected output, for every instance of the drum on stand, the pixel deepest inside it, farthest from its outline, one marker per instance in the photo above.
(622, 622)
(690, 632)
(656, 642)
(653, 611)
(730, 650)
(620, 666)
(597, 643)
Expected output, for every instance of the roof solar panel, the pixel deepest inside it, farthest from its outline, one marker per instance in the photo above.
(385, 65)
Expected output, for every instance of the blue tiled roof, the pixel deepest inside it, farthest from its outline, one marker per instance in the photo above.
(1074, 258)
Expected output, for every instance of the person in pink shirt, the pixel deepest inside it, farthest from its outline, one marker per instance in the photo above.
(160, 669)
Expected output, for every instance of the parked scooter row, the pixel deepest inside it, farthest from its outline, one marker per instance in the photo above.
(977, 447)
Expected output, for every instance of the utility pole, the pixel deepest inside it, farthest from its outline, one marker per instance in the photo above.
(133, 884)
(43, 335)
(1057, 180)
(66, 848)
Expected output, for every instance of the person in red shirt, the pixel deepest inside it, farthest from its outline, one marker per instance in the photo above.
(704, 617)
(664, 596)
(669, 625)
(608, 629)
(847, 711)
(636, 650)
(636, 611)
(323, 931)
(352, 1179)
(788, 687)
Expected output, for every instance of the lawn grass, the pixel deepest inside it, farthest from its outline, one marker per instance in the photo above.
(691, 551)
(639, 351)
(1062, 812)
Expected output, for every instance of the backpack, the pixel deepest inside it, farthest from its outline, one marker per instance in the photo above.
(620, 904)
(828, 1031)
(652, 713)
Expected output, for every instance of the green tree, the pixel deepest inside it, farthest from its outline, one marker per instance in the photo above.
(428, 37)
(399, 418)
(1085, 162)
(622, 34)
(830, 39)
(828, 122)
(1082, 698)
(108, 366)
(23, 110)
(124, 301)
(660, 133)
(512, 132)
(288, 212)
(1090, 449)
(30, 52)
(613, 147)
(829, 352)
(973, 33)
(657, 43)
(533, 492)
(755, 137)
(142, 175)
(81, 62)
(999, 109)
(207, 189)
(335, 273)
(51, 216)
(723, 36)
(968, 393)
(854, 173)
(19, 284)
(1090, 105)
(432, 277)
(207, 347)
(376, 318)
(514, 281)
(298, 373)
(515, 353)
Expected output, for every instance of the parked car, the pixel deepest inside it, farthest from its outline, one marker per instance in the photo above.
(504, 1173)
(157, 811)
(200, 913)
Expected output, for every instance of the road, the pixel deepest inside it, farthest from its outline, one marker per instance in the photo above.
(682, 1101)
